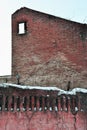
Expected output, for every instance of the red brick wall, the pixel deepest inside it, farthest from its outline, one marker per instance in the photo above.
(42, 121)
(15, 119)
(53, 52)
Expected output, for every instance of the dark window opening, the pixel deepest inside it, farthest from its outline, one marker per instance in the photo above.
(51, 103)
(18, 103)
(35, 101)
(56, 104)
(22, 28)
(25, 104)
(1, 102)
(6, 103)
(30, 103)
(40, 103)
(12, 104)
(45, 102)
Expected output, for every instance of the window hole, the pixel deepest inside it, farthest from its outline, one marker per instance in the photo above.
(18, 103)
(25, 103)
(1, 102)
(6, 103)
(41, 103)
(22, 28)
(30, 103)
(45, 102)
(12, 104)
(35, 103)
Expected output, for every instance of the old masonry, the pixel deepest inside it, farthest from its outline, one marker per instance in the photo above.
(48, 86)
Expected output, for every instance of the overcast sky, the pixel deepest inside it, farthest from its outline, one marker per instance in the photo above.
(75, 10)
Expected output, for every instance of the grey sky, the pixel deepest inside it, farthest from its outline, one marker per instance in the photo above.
(70, 9)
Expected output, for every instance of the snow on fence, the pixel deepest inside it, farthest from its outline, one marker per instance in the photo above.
(13, 98)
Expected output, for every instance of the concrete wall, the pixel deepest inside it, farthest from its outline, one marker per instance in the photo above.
(51, 53)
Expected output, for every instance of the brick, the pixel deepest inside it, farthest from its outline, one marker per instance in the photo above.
(51, 53)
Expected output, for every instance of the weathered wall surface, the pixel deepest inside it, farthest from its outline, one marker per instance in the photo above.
(33, 109)
(51, 53)
(42, 121)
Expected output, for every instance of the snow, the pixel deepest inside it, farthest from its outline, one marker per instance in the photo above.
(40, 109)
(76, 108)
(35, 108)
(73, 91)
(56, 109)
(60, 91)
(50, 108)
(29, 87)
